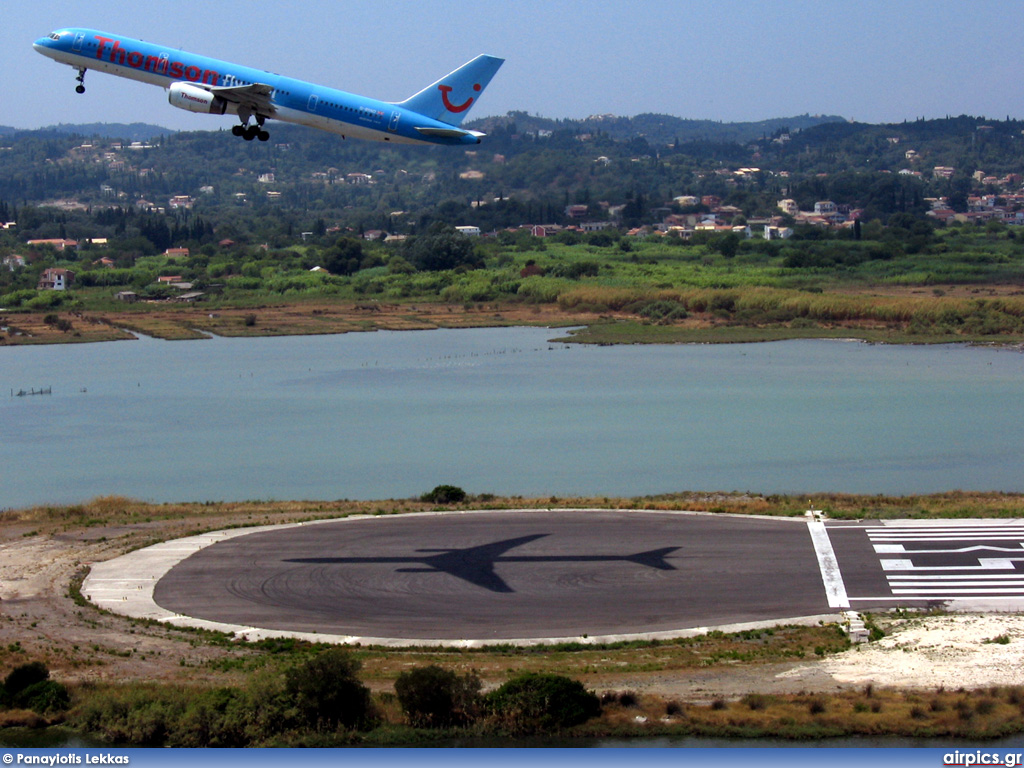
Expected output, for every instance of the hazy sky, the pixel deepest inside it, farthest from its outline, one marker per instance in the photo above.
(731, 60)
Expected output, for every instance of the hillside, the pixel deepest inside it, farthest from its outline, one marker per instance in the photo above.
(659, 129)
(127, 131)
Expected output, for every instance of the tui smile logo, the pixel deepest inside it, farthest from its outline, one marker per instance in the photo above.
(446, 89)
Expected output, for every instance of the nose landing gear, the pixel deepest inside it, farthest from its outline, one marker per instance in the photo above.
(80, 88)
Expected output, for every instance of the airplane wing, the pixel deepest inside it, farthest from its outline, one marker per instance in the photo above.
(255, 96)
(475, 564)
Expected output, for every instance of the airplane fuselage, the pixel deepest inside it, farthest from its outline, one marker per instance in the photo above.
(212, 86)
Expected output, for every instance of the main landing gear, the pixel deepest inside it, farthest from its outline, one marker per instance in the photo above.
(80, 88)
(250, 132)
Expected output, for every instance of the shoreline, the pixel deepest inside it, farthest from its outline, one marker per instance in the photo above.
(605, 327)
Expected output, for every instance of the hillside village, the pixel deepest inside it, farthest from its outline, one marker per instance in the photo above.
(72, 206)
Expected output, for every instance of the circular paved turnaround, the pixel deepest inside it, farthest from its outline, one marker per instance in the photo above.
(489, 576)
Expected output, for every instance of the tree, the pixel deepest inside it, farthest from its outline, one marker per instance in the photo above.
(345, 257)
(727, 245)
(327, 692)
(440, 249)
(432, 697)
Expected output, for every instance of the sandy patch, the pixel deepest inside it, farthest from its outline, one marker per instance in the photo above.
(930, 652)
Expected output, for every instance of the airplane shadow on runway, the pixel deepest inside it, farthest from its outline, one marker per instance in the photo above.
(476, 564)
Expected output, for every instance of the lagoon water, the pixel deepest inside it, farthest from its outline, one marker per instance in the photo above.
(379, 415)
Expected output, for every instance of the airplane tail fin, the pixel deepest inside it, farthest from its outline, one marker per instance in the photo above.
(450, 98)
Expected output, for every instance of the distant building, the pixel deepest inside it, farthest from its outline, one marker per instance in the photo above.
(59, 243)
(469, 231)
(55, 279)
(181, 201)
(777, 233)
(175, 253)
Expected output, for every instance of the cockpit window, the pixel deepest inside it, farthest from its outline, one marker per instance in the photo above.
(55, 35)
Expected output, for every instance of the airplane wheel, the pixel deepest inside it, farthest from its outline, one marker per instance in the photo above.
(79, 89)
(251, 132)
(263, 135)
(238, 130)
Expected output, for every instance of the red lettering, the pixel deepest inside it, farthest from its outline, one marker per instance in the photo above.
(177, 69)
(135, 59)
(117, 54)
(192, 73)
(154, 64)
(103, 42)
(210, 77)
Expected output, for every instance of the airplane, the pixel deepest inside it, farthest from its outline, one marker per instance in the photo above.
(476, 564)
(210, 86)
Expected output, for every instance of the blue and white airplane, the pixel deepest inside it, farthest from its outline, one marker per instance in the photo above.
(210, 86)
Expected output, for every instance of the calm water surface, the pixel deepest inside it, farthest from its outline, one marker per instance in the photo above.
(379, 415)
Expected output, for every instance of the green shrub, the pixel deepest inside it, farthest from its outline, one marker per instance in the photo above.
(327, 693)
(532, 703)
(44, 696)
(432, 697)
(444, 494)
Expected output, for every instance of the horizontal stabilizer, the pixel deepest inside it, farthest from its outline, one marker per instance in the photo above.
(654, 558)
(448, 133)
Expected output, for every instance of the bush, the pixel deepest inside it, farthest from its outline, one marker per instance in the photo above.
(327, 693)
(25, 675)
(44, 696)
(541, 702)
(432, 697)
(444, 494)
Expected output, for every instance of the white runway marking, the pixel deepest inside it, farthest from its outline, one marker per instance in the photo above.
(950, 578)
(835, 590)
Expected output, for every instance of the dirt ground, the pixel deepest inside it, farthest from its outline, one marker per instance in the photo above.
(40, 620)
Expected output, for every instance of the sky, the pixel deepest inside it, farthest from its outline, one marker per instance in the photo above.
(731, 60)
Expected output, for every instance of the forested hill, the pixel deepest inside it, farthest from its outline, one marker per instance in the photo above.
(124, 131)
(304, 180)
(658, 129)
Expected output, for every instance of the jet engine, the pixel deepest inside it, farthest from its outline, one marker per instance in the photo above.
(195, 99)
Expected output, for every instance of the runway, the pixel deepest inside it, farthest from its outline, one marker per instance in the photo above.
(532, 576)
